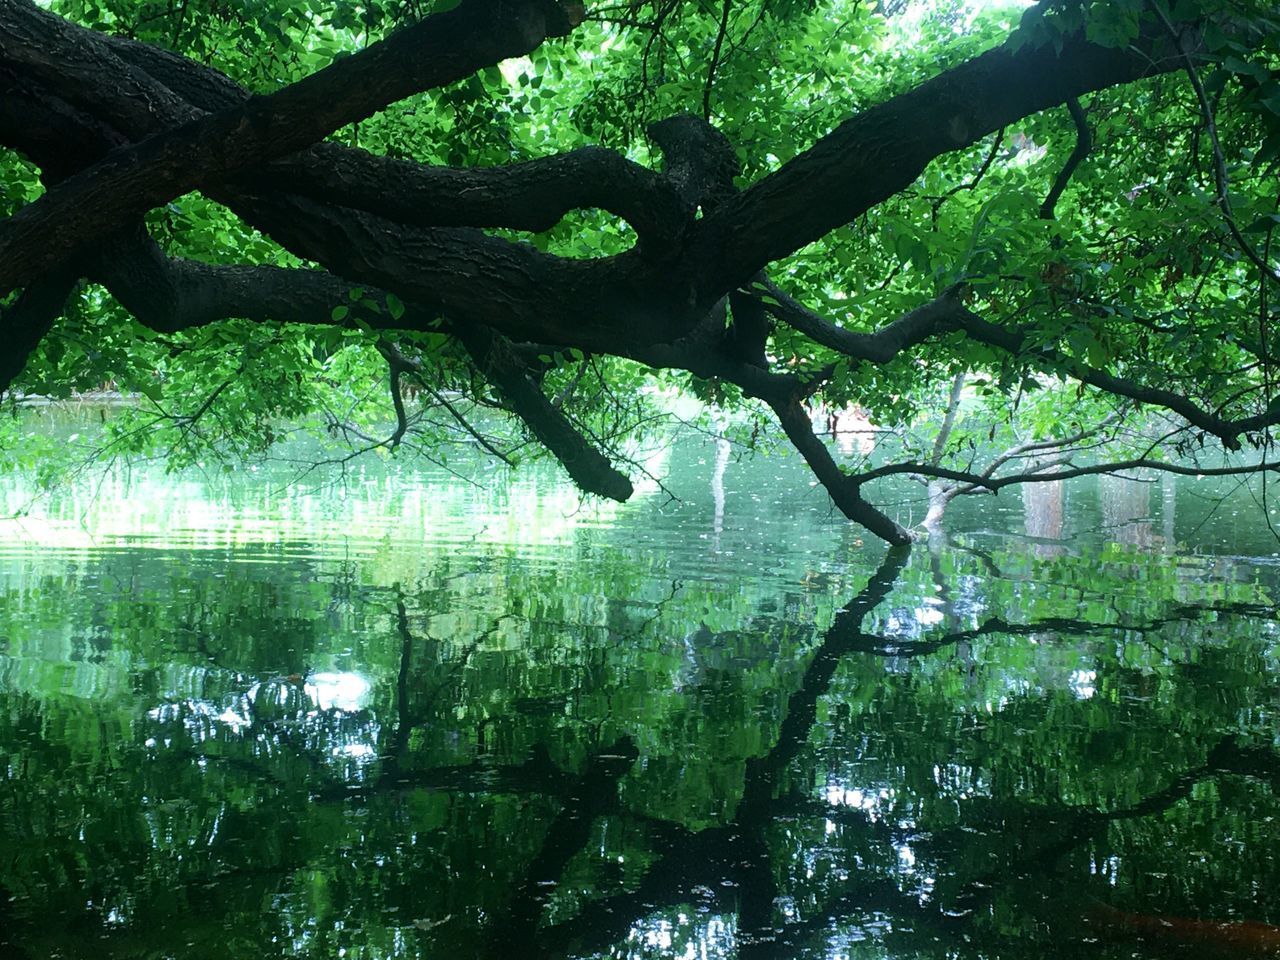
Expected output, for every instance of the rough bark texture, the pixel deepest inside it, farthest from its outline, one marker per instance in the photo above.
(128, 182)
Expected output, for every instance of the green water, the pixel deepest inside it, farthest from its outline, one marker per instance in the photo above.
(407, 716)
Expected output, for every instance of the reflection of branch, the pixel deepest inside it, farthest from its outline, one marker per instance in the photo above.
(404, 719)
(537, 775)
(588, 796)
(889, 646)
(735, 853)
(720, 851)
(1082, 824)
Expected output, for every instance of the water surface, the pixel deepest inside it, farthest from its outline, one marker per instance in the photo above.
(406, 716)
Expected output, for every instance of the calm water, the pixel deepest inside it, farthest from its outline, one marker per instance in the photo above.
(411, 717)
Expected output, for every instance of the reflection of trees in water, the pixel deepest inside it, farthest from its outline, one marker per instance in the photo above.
(723, 449)
(1126, 510)
(1128, 515)
(1042, 511)
(736, 868)
(942, 832)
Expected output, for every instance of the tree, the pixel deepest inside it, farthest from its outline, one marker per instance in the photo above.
(269, 205)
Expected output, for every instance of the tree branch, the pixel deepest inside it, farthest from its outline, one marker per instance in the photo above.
(947, 313)
(1084, 143)
(882, 150)
(533, 195)
(940, 315)
(589, 468)
(994, 484)
(24, 324)
(439, 50)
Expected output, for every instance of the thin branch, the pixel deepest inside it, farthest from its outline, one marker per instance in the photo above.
(466, 424)
(977, 177)
(1220, 175)
(938, 315)
(996, 483)
(715, 59)
(1084, 143)
(396, 366)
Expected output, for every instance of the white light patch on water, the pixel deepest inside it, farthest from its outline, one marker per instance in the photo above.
(713, 939)
(1083, 683)
(871, 800)
(906, 858)
(354, 751)
(348, 692)
(233, 719)
(928, 616)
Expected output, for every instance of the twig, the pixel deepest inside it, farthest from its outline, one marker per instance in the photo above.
(1084, 143)
(715, 60)
(1219, 160)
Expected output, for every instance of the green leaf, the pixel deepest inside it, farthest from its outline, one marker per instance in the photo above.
(395, 306)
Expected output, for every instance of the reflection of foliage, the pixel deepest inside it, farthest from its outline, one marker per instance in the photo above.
(177, 765)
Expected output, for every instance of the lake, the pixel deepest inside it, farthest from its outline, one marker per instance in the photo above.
(404, 715)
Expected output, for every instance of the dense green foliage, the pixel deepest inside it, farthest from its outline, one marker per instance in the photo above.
(1148, 266)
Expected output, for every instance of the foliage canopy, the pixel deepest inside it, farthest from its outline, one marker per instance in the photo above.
(1048, 226)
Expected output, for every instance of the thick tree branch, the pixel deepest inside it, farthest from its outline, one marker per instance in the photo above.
(882, 150)
(439, 50)
(599, 305)
(24, 324)
(169, 294)
(589, 468)
(533, 195)
(843, 489)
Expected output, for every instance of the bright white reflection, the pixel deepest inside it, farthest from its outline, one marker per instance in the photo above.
(928, 616)
(234, 720)
(1083, 683)
(354, 751)
(906, 858)
(870, 800)
(348, 692)
(689, 938)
